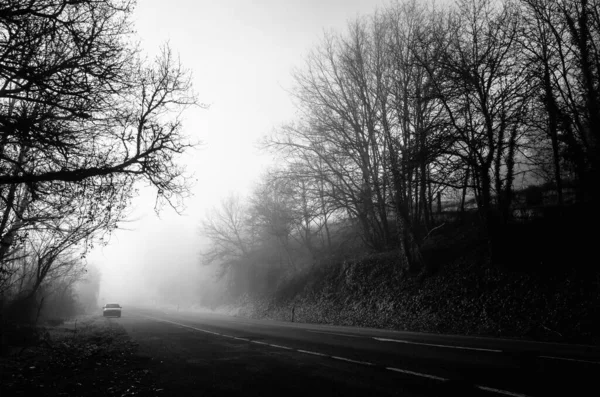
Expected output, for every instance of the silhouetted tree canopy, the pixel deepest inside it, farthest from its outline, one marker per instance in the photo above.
(83, 118)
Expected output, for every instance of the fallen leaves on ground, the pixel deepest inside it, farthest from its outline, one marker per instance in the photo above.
(98, 359)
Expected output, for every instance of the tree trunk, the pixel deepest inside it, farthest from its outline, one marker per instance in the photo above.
(464, 191)
(424, 201)
(507, 194)
(485, 207)
(553, 117)
(410, 252)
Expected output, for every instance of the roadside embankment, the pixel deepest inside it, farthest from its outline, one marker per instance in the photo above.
(466, 296)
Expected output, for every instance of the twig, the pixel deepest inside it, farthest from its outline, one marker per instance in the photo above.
(551, 330)
(433, 230)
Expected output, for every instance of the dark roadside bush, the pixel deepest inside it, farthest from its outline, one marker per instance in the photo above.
(17, 324)
(22, 318)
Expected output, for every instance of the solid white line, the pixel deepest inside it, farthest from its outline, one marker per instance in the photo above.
(259, 342)
(334, 333)
(352, 361)
(431, 344)
(571, 359)
(416, 373)
(505, 392)
(313, 353)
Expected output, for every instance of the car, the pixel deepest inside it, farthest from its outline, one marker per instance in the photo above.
(111, 310)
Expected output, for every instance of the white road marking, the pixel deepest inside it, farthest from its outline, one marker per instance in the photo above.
(187, 326)
(404, 371)
(352, 361)
(334, 333)
(281, 347)
(311, 352)
(431, 344)
(499, 391)
(572, 359)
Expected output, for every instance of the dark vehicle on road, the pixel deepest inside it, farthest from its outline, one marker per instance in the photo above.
(112, 310)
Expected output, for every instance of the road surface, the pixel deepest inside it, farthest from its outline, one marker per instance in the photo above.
(199, 354)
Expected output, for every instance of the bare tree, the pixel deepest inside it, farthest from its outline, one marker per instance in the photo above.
(337, 96)
(270, 211)
(411, 115)
(564, 61)
(77, 103)
(485, 95)
(229, 231)
(82, 120)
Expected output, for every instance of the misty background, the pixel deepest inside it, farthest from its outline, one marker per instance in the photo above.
(241, 54)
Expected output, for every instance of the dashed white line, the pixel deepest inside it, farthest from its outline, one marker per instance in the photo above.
(352, 361)
(185, 326)
(313, 353)
(404, 371)
(281, 347)
(572, 359)
(431, 344)
(499, 391)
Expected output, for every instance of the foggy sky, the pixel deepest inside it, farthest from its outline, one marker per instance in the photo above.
(241, 54)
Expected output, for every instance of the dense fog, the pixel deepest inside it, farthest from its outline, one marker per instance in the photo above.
(153, 261)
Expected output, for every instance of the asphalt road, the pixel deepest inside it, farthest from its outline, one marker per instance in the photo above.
(212, 355)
